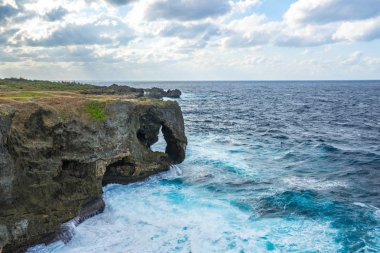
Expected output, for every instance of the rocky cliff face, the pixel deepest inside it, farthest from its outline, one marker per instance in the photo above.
(53, 164)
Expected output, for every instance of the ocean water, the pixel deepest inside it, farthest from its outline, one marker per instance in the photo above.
(270, 167)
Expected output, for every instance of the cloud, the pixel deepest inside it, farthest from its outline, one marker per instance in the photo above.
(56, 14)
(250, 31)
(353, 59)
(6, 56)
(120, 2)
(7, 11)
(317, 28)
(205, 30)
(300, 41)
(314, 23)
(150, 36)
(186, 10)
(82, 54)
(71, 34)
(327, 11)
(365, 30)
(358, 59)
(244, 5)
(108, 32)
(306, 36)
(6, 35)
(74, 54)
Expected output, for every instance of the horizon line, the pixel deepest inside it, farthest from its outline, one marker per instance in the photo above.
(205, 80)
(227, 80)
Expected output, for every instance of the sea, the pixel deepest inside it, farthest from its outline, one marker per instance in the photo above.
(271, 166)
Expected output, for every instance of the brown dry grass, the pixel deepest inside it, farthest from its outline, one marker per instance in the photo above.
(68, 105)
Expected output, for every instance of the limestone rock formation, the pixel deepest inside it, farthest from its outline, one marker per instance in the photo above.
(115, 89)
(160, 93)
(54, 160)
(173, 93)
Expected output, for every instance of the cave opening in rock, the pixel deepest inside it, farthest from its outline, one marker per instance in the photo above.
(160, 145)
(113, 171)
(160, 137)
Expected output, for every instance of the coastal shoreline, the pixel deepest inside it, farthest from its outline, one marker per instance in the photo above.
(59, 147)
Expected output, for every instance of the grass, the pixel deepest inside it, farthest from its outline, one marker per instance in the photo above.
(24, 84)
(66, 98)
(33, 93)
(96, 109)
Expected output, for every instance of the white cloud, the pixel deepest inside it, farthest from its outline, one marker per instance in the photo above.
(354, 58)
(305, 36)
(111, 31)
(358, 59)
(327, 11)
(359, 30)
(250, 31)
(244, 5)
(195, 34)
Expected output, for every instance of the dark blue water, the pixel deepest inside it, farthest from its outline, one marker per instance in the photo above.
(271, 167)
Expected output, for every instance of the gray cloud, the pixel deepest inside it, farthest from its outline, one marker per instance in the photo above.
(236, 40)
(301, 41)
(120, 2)
(87, 34)
(77, 54)
(6, 57)
(71, 34)
(186, 10)
(372, 35)
(205, 30)
(5, 36)
(11, 15)
(7, 11)
(56, 14)
(333, 11)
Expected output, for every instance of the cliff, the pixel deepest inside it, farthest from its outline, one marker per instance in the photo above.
(59, 148)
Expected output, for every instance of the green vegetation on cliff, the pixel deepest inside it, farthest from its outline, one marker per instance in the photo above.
(7, 84)
(96, 110)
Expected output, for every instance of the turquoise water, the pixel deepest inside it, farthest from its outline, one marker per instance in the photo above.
(271, 167)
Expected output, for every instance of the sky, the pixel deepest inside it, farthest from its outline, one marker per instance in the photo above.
(190, 39)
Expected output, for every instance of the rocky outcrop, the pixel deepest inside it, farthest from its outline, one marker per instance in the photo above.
(160, 93)
(173, 93)
(53, 164)
(115, 89)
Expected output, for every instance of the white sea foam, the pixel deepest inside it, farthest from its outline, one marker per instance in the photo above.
(313, 184)
(157, 217)
(375, 209)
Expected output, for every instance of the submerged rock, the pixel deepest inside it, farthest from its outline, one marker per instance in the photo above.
(55, 157)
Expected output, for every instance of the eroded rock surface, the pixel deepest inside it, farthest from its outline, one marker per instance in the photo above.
(132, 92)
(53, 166)
(160, 93)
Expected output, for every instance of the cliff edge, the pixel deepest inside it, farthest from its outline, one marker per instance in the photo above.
(59, 148)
